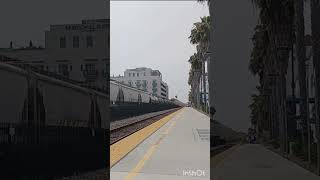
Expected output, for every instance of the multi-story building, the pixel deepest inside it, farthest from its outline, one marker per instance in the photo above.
(145, 79)
(77, 51)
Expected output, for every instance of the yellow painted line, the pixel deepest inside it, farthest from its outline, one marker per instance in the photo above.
(134, 172)
(219, 158)
(121, 148)
(169, 128)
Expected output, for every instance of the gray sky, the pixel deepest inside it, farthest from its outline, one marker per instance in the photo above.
(155, 34)
(22, 21)
(234, 22)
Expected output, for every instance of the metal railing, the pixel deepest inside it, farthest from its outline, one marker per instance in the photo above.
(57, 76)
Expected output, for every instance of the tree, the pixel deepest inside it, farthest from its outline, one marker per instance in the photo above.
(200, 37)
(210, 59)
(258, 110)
(277, 17)
(194, 78)
(301, 57)
(315, 26)
(260, 65)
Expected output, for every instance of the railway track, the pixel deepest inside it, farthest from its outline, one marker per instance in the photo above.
(123, 128)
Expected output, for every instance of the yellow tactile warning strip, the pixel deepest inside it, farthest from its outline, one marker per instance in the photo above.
(134, 172)
(124, 146)
(217, 160)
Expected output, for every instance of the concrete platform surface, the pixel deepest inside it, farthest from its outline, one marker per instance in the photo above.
(178, 150)
(254, 162)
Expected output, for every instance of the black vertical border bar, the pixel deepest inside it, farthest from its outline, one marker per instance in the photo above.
(108, 89)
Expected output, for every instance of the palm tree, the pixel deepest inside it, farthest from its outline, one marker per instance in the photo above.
(277, 17)
(259, 66)
(200, 36)
(194, 78)
(301, 57)
(257, 109)
(315, 26)
(210, 59)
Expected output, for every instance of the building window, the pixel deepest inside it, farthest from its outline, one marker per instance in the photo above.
(155, 73)
(90, 72)
(137, 74)
(154, 83)
(154, 86)
(133, 74)
(63, 69)
(144, 85)
(90, 67)
(144, 74)
(70, 67)
(129, 74)
(76, 41)
(89, 41)
(63, 43)
(138, 84)
(41, 67)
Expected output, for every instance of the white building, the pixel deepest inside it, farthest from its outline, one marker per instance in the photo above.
(145, 79)
(77, 51)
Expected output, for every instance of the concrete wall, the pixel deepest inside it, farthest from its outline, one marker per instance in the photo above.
(130, 93)
(12, 95)
(65, 104)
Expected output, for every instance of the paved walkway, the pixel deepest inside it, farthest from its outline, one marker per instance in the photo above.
(254, 162)
(179, 150)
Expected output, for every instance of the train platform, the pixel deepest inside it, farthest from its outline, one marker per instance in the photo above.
(175, 147)
(253, 161)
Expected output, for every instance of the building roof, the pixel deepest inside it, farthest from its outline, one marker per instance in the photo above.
(138, 69)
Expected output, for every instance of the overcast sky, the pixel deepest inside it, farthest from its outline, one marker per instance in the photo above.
(22, 21)
(234, 22)
(155, 34)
